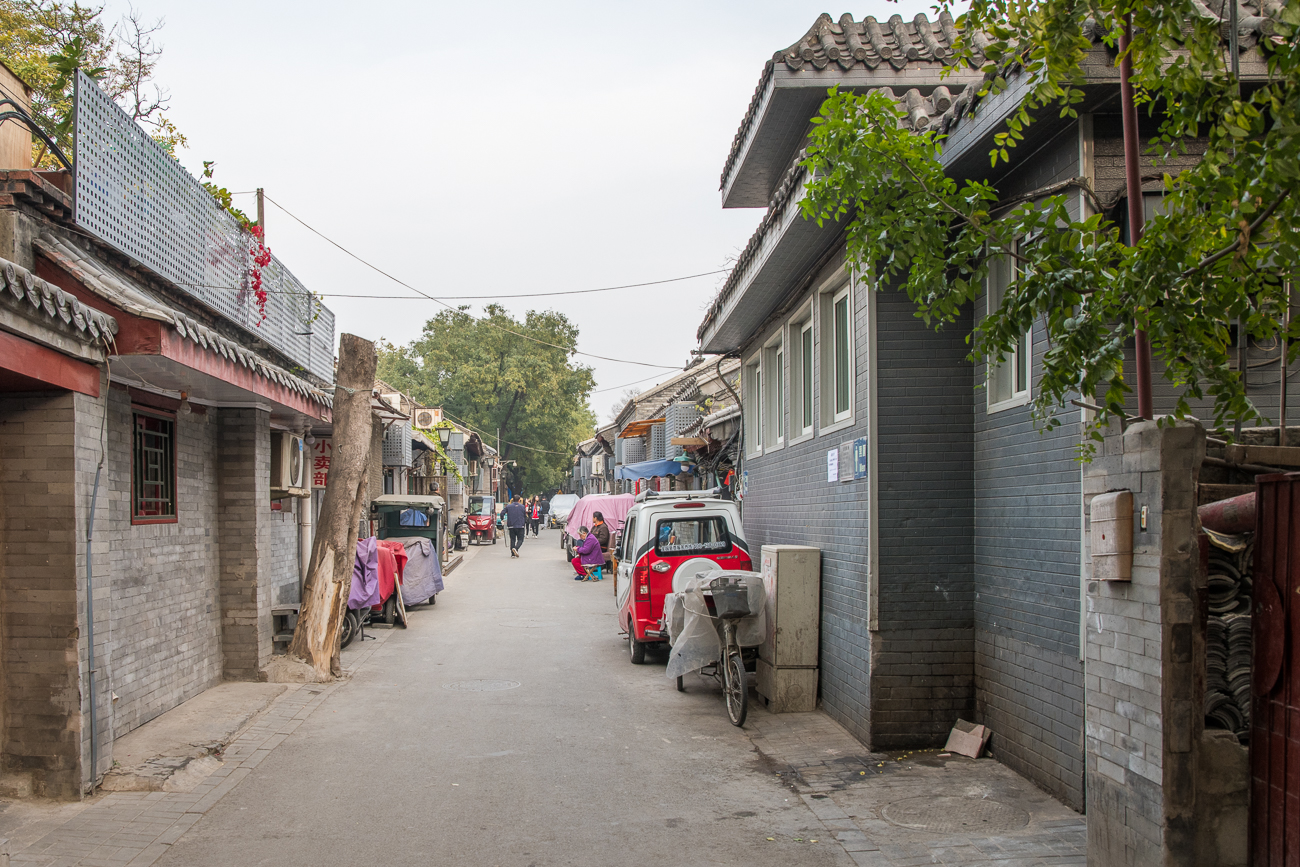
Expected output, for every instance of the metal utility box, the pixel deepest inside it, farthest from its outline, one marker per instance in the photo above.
(1112, 536)
(787, 659)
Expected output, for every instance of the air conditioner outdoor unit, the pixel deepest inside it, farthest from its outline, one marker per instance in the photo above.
(288, 465)
(427, 418)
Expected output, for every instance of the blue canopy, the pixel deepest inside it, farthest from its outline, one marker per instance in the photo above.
(649, 469)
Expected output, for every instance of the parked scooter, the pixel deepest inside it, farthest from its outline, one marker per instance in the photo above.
(460, 533)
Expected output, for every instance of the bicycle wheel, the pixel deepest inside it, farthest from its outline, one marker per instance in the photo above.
(736, 689)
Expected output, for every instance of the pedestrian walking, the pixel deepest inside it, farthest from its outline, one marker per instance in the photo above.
(588, 554)
(601, 531)
(534, 515)
(516, 517)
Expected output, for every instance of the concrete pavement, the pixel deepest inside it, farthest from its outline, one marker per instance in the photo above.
(507, 726)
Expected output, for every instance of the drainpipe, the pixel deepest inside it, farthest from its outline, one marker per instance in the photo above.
(304, 539)
(90, 574)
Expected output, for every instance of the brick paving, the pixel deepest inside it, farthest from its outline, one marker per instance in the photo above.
(849, 789)
(135, 829)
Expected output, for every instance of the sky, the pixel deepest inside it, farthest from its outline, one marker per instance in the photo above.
(473, 149)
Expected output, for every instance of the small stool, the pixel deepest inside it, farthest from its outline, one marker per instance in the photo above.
(592, 570)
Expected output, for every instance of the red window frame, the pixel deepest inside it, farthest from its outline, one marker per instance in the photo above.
(139, 514)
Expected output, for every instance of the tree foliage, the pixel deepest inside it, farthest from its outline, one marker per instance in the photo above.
(1224, 247)
(46, 41)
(488, 374)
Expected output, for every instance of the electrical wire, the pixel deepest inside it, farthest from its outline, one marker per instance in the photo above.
(489, 323)
(474, 297)
(624, 385)
(505, 442)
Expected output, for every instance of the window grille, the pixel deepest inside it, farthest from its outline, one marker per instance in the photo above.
(153, 469)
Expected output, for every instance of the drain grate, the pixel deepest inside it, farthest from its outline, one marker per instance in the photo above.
(482, 685)
(955, 815)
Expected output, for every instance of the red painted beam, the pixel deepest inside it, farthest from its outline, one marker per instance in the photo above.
(36, 362)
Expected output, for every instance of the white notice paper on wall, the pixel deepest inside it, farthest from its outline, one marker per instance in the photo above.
(833, 465)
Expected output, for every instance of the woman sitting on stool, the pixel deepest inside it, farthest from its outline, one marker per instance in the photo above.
(589, 554)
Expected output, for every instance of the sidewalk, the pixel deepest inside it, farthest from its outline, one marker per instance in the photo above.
(134, 829)
(908, 808)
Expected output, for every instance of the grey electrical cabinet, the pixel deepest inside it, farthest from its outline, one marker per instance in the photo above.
(787, 660)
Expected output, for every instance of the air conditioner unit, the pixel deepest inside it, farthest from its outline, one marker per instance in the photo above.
(288, 465)
(427, 418)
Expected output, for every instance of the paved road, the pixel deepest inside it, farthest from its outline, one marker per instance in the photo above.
(589, 761)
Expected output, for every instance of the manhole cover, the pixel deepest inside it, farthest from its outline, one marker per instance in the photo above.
(481, 685)
(952, 815)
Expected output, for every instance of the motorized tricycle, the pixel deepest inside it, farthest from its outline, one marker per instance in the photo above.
(480, 514)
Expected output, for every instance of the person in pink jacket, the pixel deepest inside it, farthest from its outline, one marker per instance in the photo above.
(589, 554)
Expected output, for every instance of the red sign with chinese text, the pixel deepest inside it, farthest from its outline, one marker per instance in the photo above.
(322, 451)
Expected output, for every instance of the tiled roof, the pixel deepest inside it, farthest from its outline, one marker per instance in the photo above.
(871, 42)
(21, 288)
(122, 292)
(848, 43)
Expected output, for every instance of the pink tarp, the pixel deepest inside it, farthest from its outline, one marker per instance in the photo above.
(613, 506)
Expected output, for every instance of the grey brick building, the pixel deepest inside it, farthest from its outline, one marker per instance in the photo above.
(951, 529)
(158, 409)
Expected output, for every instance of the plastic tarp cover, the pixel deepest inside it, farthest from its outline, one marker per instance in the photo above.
(365, 575)
(422, 577)
(614, 507)
(650, 469)
(696, 638)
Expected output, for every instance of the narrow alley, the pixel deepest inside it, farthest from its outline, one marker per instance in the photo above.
(506, 726)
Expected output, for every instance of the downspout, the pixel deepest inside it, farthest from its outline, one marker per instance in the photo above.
(90, 575)
(740, 425)
(304, 528)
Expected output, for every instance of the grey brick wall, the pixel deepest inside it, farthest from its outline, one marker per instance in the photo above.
(924, 671)
(1145, 657)
(39, 634)
(164, 626)
(1026, 552)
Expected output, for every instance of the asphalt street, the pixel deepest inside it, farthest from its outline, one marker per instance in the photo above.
(588, 760)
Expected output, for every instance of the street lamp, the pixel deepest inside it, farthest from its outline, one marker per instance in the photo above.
(444, 434)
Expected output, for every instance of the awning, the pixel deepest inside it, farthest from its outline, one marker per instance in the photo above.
(649, 469)
(640, 428)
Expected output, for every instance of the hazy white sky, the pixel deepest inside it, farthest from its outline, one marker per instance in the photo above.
(498, 148)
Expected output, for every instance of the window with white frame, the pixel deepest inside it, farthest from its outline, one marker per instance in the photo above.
(752, 393)
(801, 377)
(837, 355)
(1008, 379)
(772, 370)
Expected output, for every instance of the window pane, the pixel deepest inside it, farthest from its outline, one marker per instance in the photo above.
(779, 422)
(806, 388)
(842, 355)
(679, 537)
(758, 407)
(1022, 364)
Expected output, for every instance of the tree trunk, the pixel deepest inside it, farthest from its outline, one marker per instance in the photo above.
(329, 577)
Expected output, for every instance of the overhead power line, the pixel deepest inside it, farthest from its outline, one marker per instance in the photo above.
(505, 442)
(487, 322)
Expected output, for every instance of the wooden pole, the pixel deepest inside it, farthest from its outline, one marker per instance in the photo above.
(329, 577)
(261, 213)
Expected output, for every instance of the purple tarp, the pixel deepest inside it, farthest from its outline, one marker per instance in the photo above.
(365, 575)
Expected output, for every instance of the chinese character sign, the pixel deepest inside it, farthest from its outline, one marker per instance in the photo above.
(321, 453)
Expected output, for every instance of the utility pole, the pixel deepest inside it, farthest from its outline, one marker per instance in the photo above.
(1133, 178)
(261, 213)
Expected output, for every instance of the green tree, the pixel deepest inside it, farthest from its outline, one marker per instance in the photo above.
(46, 41)
(500, 373)
(1224, 248)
